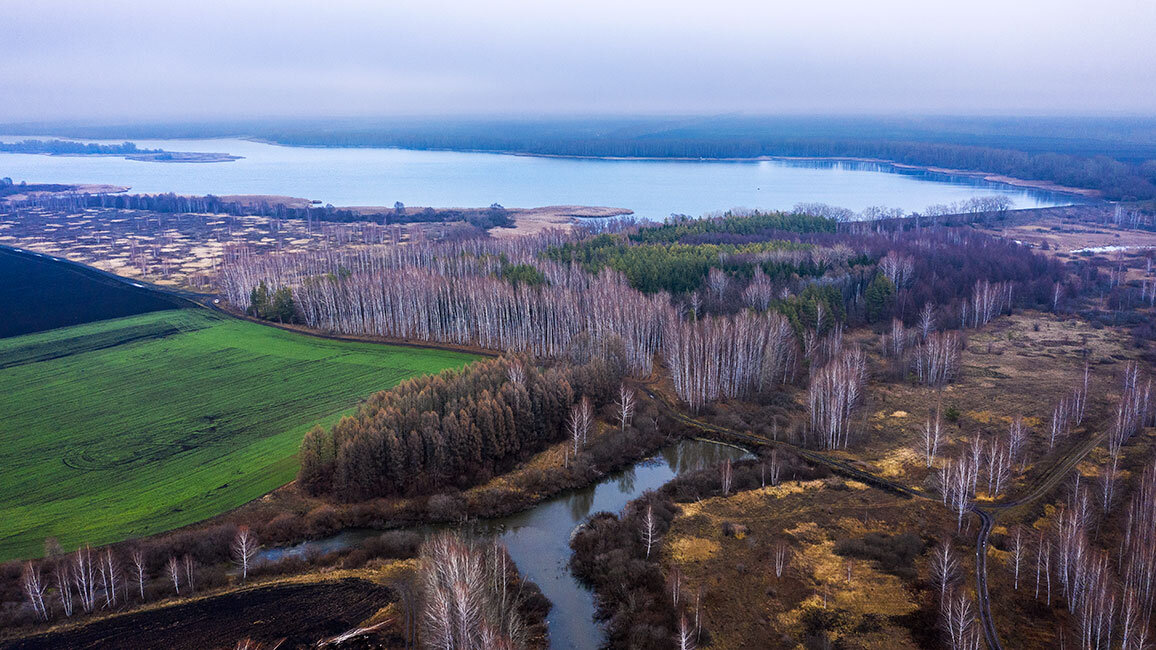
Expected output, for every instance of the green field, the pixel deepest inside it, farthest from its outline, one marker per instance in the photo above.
(129, 427)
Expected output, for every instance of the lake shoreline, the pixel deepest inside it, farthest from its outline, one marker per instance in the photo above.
(1002, 179)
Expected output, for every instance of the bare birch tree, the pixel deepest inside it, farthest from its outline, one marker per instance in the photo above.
(624, 406)
(1017, 554)
(835, 391)
(109, 576)
(579, 423)
(244, 549)
(926, 321)
(1017, 437)
(931, 436)
(64, 588)
(782, 552)
(138, 566)
(900, 269)
(944, 567)
(649, 529)
(190, 572)
(936, 359)
(760, 292)
(84, 577)
(173, 568)
(959, 619)
(34, 589)
(685, 635)
(468, 603)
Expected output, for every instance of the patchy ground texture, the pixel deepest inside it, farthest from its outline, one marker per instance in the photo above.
(745, 605)
(177, 249)
(186, 250)
(1081, 233)
(1022, 364)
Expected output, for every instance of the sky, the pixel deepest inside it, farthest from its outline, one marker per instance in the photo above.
(213, 59)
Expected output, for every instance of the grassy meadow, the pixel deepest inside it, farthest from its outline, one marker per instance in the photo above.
(132, 426)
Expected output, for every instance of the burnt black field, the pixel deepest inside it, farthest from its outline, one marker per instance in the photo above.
(296, 615)
(39, 293)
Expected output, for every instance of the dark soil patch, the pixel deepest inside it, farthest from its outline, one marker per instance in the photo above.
(300, 614)
(38, 293)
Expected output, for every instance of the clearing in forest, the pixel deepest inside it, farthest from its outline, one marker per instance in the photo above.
(137, 425)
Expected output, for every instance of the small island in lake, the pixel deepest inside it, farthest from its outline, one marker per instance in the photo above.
(128, 150)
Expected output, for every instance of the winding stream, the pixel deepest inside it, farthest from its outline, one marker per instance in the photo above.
(538, 538)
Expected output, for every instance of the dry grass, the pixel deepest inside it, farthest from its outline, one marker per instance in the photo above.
(746, 606)
(1068, 237)
(1018, 365)
(531, 221)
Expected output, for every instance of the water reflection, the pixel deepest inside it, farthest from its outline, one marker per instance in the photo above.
(690, 458)
(580, 503)
(626, 481)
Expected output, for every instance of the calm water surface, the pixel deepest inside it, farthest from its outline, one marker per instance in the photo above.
(539, 538)
(653, 189)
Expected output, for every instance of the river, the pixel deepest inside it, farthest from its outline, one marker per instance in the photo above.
(652, 188)
(539, 538)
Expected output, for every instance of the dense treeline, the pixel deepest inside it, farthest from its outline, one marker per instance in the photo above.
(756, 223)
(455, 293)
(728, 357)
(491, 217)
(69, 147)
(679, 268)
(947, 265)
(455, 428)
(863, 273)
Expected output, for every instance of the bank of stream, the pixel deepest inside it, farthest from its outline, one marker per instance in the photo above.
(538, 538)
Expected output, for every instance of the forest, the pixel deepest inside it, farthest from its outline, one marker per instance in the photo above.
(69, 147)
(456, 428)
(679, 268)
(604, 287)
(494, 216)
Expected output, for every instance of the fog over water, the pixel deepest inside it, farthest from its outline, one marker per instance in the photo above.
(135, 59)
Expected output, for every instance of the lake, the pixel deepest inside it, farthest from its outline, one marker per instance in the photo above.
(652, 188)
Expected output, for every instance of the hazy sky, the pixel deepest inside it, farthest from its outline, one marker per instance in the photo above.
(146, 59)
